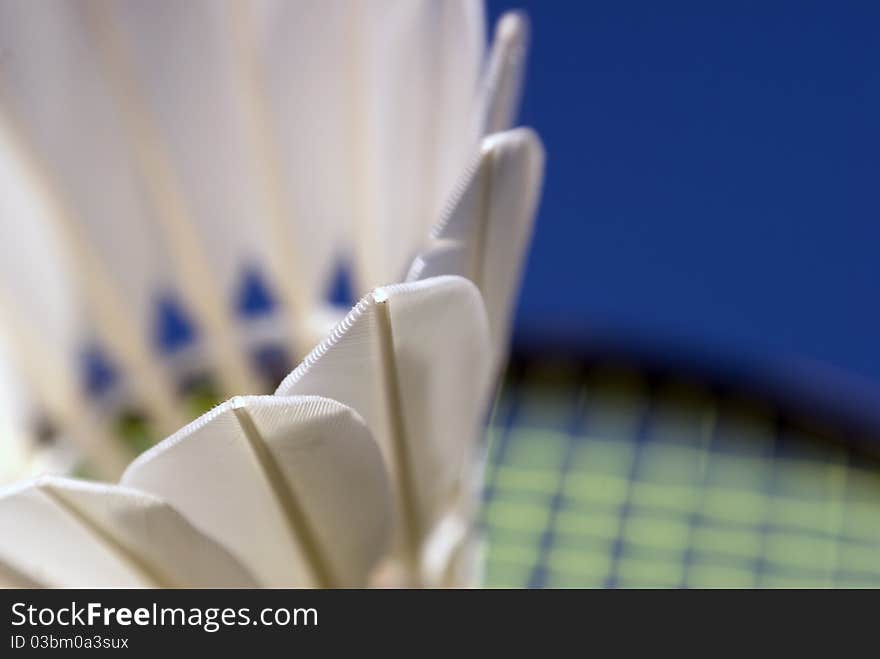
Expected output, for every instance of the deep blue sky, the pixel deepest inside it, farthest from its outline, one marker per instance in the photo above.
(713, 176)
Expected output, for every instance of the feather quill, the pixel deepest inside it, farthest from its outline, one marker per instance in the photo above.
(64, 533)
(413, 359)
(485, 232)
(294, 487)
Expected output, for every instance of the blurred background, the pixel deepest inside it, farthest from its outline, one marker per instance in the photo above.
(695, 390)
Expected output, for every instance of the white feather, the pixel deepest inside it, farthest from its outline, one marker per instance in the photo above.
(54, 88)
(485, 232)
(42, 312)
(56, 102)
(12, 578)
(295, 134)
(303, 59)
(15, 434)
(414, 75)
(183, 124)
(484, 236)
(501, 87)
(294, 487)
(63, 533)
(185, 71)
(414, 360)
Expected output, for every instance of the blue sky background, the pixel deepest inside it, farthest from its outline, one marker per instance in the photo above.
(713, 179)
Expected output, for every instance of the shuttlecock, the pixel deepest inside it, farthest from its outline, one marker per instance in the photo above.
(186, 185)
